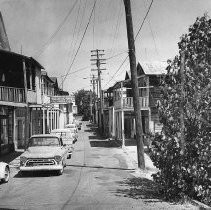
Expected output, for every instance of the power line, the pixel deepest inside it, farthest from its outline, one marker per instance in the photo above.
(153, 36)
(117, 70)
(74, 31)
(79, 29)
(93, 29)
(144, 19)
(117, 55)
(80, 42)
(81, 69)
(45, 46)
(135, 39)
(120, 14)
(86, 67)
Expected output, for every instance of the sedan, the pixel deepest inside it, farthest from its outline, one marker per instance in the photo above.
(44, 152)
(67, 137)
(73, 128)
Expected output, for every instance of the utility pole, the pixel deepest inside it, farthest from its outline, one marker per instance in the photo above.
(93, 82)
(91, 100)
(134, 80)
(98, 61)
(27, 122)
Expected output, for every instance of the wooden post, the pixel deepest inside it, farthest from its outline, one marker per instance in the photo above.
(27, 123)
(43, 120)
(122, 117)
(137, 108)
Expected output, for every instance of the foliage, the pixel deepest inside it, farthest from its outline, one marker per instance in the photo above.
(186, 172)
(82, 98)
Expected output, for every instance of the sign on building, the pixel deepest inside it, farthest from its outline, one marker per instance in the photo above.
(61, 99)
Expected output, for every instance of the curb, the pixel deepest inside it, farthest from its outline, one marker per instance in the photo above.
(200, 204)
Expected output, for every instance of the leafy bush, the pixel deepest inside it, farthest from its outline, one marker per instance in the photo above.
(186, 172)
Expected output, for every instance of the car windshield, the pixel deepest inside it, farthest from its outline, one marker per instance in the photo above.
(43, 141)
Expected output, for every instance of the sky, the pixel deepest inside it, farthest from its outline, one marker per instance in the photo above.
(51, 31)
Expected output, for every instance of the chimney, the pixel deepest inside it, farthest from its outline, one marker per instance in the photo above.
(4, 42)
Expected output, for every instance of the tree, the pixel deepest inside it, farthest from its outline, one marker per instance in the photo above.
(82, 98)
(187, 173)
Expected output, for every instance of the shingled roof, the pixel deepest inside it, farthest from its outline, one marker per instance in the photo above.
(153, 68)
(149, 68)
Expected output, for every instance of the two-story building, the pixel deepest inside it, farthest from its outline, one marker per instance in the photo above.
(26, 92)
(119, 119)
(20, 88)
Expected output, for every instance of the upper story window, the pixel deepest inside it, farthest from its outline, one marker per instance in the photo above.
(30, 77)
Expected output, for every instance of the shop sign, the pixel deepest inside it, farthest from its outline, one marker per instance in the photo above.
(61, 99)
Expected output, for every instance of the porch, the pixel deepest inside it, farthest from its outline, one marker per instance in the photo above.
(127, 103)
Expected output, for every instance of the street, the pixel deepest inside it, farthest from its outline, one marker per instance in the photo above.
(98, 176)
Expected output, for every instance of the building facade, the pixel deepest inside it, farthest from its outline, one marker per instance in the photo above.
(119, 118)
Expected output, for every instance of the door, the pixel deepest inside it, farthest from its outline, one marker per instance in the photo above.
(20, 133)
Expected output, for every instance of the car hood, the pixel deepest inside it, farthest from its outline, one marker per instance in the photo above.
(42, 152)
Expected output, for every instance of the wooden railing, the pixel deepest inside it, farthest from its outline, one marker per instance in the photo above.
(11, 94)
(127, 103)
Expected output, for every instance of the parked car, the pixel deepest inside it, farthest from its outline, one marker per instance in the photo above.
(4, 172)
(67, 137)
(44, 152)
(72, 126)
(73, 129)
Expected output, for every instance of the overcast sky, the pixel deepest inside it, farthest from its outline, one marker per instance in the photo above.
(32, 23)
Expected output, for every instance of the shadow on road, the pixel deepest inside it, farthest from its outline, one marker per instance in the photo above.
(35, 174)
(139, 188)
(10, 157)
(96, 140)
(103, 143)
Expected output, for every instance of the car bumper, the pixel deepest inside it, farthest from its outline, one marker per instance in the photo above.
(41, 168)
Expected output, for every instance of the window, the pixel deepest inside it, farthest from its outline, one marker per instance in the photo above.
(43, 141)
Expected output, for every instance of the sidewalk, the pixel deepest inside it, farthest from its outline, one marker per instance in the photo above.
(131, 151)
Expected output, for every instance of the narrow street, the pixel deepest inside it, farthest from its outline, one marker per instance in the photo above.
(98, 176)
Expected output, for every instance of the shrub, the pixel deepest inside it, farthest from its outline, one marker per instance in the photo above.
(186, 172)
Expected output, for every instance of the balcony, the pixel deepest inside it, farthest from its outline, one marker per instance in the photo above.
(11, 94)
(127, 103)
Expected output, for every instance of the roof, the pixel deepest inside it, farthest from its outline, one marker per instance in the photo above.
(19, 56)
(153, 68)
(54, 79)
(45, 75)
(4, 42)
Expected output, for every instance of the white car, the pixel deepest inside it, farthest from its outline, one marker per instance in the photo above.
(67, 137)
(45, 152)
(73, 128)
(4, 172)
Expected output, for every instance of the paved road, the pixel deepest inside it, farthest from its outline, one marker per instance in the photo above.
(98, 176)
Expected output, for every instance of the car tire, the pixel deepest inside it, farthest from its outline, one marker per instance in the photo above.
(6, 175)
